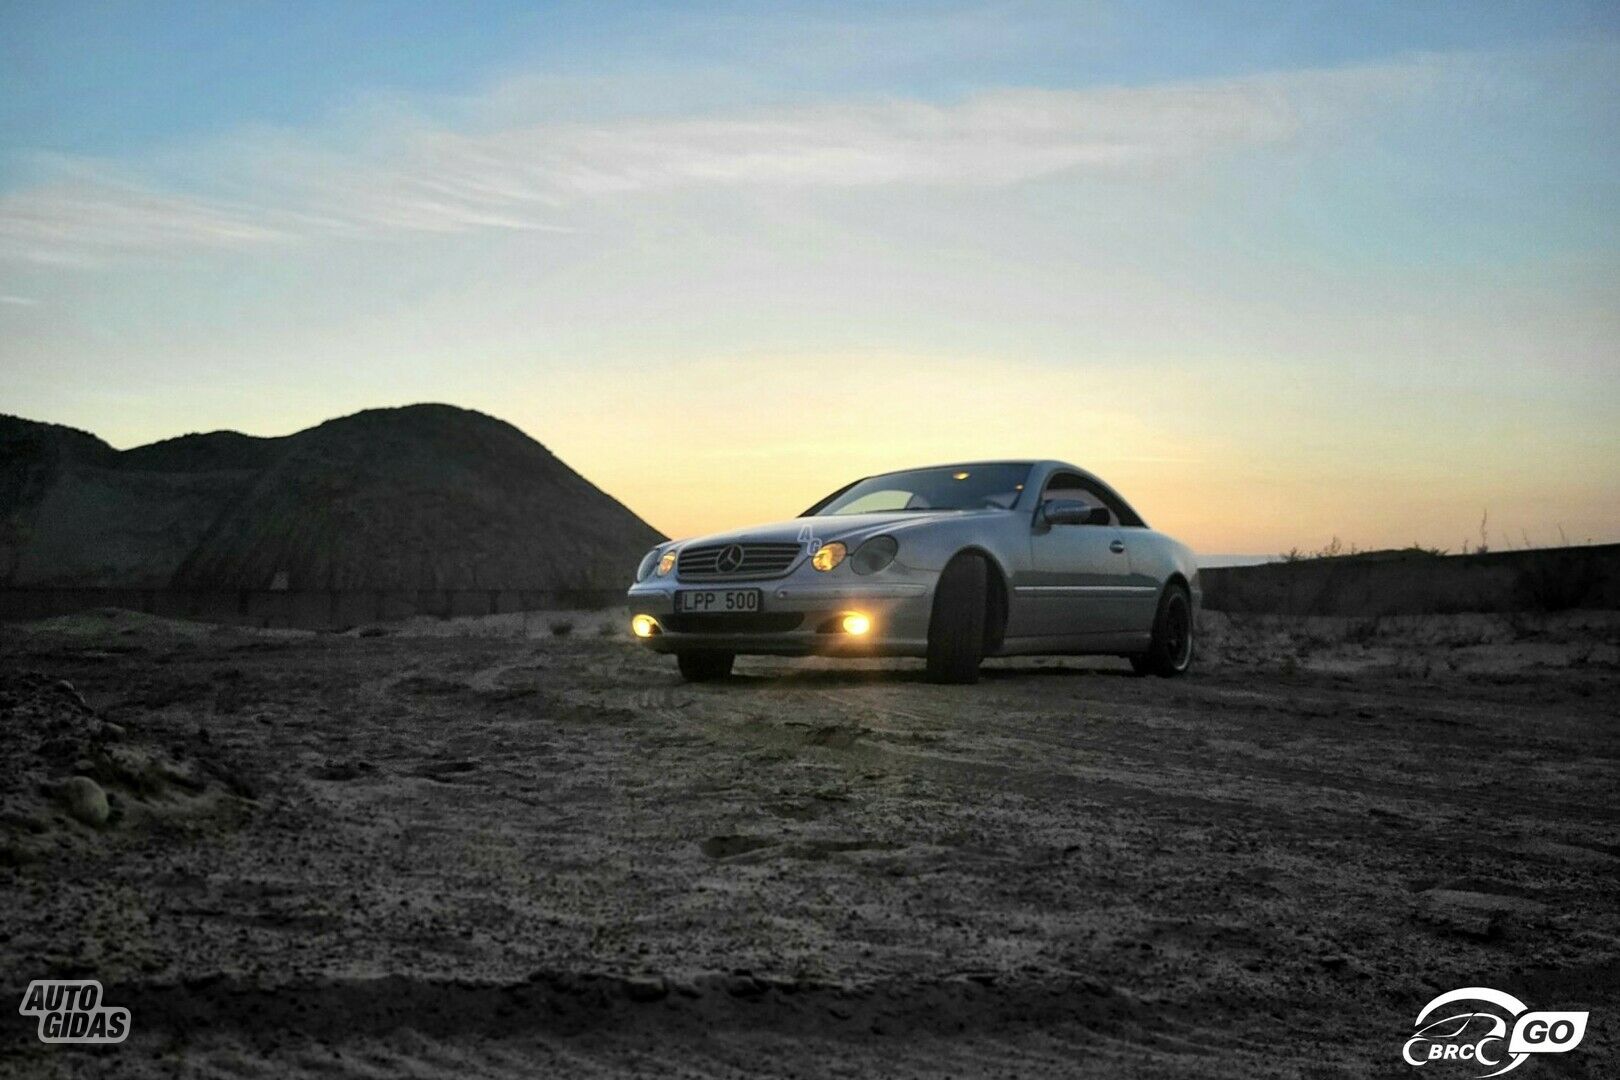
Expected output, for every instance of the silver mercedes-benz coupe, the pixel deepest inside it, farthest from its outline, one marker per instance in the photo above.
(952, 563)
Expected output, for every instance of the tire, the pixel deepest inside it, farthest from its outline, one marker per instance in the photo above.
(956, 627)
(1171, 652)
(704, 666)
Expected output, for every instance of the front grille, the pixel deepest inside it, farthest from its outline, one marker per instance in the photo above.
(734, 622)
(758, 561)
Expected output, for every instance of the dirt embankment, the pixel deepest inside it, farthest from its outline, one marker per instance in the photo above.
(73, 780)
(426, 497)
(1415, 582)
(493, 848)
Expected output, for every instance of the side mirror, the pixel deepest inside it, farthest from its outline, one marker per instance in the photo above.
(1073, 512)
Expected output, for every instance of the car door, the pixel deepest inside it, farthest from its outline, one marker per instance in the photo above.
(1080, 575)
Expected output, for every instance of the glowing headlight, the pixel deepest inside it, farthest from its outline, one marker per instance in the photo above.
(855, 623)
(648, 561)
(667, 563)
(828, 556)
(643, 626)
(874, 555)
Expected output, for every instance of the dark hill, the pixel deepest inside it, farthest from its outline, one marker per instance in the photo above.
(204, 453)
(424, 497)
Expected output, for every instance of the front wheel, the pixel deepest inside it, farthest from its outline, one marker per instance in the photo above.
(1171, 651)
(704, 666)
(956, 627)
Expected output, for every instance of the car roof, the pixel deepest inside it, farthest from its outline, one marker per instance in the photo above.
(1028, 462)
(1048, 465)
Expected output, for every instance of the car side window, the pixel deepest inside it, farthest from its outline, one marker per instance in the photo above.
(1070, 486)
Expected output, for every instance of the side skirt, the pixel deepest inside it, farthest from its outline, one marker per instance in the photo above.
(1113, 643)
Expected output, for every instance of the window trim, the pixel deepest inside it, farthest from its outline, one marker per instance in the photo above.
(1105, 496)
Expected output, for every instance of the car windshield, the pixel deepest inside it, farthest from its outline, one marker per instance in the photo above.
(952, 487)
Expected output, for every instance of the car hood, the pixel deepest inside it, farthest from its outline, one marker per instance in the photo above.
(850, 528)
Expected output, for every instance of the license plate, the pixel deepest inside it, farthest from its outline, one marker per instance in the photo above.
(702, 600)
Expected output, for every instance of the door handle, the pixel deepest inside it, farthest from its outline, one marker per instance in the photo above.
(1117, 547)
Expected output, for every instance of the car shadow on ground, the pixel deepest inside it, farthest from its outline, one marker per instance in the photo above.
(1055, 671)
(821, 678)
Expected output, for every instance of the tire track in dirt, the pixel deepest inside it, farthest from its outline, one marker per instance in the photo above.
(567, 1002)
(1036, 1023)
(729, 717)
(847, 724)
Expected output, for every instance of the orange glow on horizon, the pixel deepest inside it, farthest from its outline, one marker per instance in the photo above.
(1209, 461)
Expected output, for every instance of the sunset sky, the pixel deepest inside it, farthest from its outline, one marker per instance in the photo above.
(1331, 269)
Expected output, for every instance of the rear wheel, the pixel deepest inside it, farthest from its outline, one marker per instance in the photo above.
(956, 627)
(704, 666)
(1171, 651)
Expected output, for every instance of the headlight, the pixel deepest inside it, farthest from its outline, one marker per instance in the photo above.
(828, 556)
(648, 561)
(874, 555)
(667, 563)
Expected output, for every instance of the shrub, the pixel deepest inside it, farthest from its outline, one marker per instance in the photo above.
(561, 627)
(1333, 549)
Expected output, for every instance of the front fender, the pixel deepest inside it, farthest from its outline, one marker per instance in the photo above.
(1004, 541)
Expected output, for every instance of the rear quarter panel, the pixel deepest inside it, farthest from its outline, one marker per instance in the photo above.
(1157, 558)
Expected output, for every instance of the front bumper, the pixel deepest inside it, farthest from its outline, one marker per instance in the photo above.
(898, 610)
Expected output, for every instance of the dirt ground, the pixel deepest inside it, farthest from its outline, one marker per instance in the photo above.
(479, 849)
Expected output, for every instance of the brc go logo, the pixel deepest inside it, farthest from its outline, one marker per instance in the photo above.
(1483, 1038)
(71, 1011)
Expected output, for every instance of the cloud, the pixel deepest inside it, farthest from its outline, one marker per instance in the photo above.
(264, 188)
(991, 139)
(81, 223)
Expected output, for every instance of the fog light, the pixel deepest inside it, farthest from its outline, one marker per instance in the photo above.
(856, 623)
(644, 626)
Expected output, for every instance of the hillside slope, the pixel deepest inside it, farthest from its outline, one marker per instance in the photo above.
(423, 497)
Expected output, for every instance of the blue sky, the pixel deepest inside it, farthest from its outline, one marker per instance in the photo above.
(1274, 259)
(106, 78)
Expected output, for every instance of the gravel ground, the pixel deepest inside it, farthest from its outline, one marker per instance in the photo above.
(483, 849)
